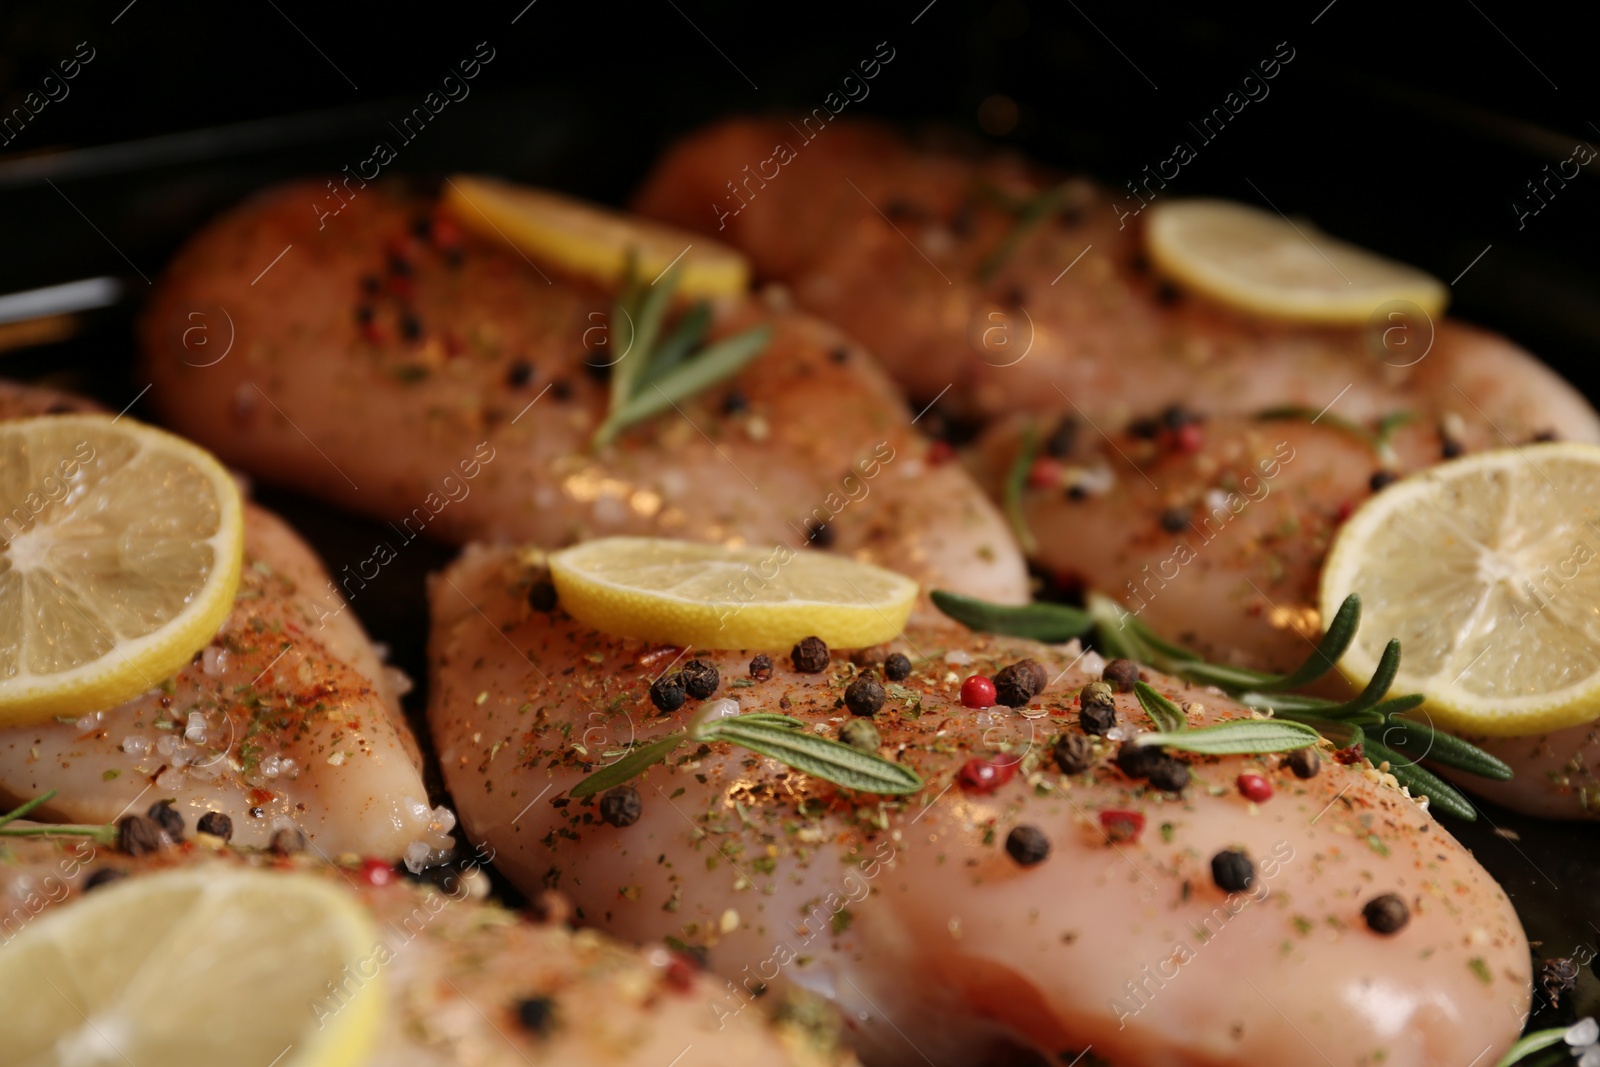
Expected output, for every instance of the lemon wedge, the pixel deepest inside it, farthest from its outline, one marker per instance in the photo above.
(1487, 569)
(708, 596)
(1262, 263)
(120, 549)
(192, 968)
(594, 242)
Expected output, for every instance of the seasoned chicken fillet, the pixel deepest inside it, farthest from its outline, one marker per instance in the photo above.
(286, 719)
(1059, 911)
(449, 386)
(890, 242)
(457, 971)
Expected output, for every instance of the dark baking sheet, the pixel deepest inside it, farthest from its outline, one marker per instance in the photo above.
(1411, 131)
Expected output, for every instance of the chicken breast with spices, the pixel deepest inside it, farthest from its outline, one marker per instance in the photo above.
(1033, 893)
(396, 366)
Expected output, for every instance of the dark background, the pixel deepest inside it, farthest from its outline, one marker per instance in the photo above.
(1410, 128)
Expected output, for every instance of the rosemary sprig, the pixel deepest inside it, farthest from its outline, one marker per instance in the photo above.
(778, 736)
(1539, 1040)
(654, 374)
(1372, 718)
(1029, 214)
(1050, 623)
(1016, 481)
(103, 834)
(1375, 439)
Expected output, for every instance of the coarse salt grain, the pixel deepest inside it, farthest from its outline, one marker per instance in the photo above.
(214, 661)
(958, 657)
(135, 745)
(196, 728)
(1092, 662)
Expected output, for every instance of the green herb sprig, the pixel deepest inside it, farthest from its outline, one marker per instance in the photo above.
(1376, 439)
(1029, 213)
(1016, 481)
(102, 834)
(1371, 719)
(778, 736)
(655, 373)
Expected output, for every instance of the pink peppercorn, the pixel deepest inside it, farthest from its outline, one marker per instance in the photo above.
(1254, 787)
(978, 692)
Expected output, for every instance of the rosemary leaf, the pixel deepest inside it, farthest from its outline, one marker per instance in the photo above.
(1167, 716)
(820, 757)
(23, 809)
(1341, 631)
(101, 834)
(1237, 737)
(1528, 1044)
(1029, 214)
(689, 335)
(1050, 623)
(712, 365)
(1016, 481)
(1421, 740)
(773, 718)
(1420, 780)
(1382, 679)
(632, 765)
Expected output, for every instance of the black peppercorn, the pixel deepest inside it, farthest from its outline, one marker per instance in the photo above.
(363, 314)
(536, 1014)
(819, 534)
(1174, 520)
(422, 226)
(897, 668)
(1073, 753)
(1059, 444)
(1304, 762)
(1170, 774)
(1019, 683)
(1146, 429)
(700, 679)
(1168, 294)
(1097, 708)
(1121, 673)
(216, 824)
(667, 693)
(1232, 871)
(1076, 493)
(287, 842)
(1450, 448)
(761, 667)
(1545, 436)
(1138, 761)
(734, 402)
(597, 367)
(620, 806)
(410, 327)
(399, 265)
(164, 815)
(865, 695)
(1386, 914)
(861, 734)
(542, 596)
(1027, 845)
(560, 390)
(1381, 480)
(810, 656)
(137, 835)
(840, 354)
(104, 876)
(519, 374)
(371, 284)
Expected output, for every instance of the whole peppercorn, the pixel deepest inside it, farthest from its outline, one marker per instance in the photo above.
(287, 842)
(1027, 845)
(1232, 871)
(542, 596)
(810, 656)
(1121, 673)
(1174, 520)
(734, 402)
(1450, 448)
(861, 734)
(700, 679)
(1138, 761)
(865, 695)
(667, 693)
(1253, 787)
(897, 668)
(1097, 708)
(1170, 774)
(1381, 480)
(164, 815)
(987, 775)
(1386, 914)
(1019, 683)
(1073, 753)
(1059, 443)
(761, 667)
(1304, 762)
(819, 534)
(620, 806)
(519, 374)
(137, 835)
(216, 824)
(378, 872)
(536, 1014)
(104, 876)
(977, 692)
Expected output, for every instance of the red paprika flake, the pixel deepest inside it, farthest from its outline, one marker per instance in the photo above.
(680, 971)
(375, 871)
(1347, 756)
(373, 333)
(1045, 473)
(1188, 438)
(446, 232)
(987, 775)
(1122, 827)
(1346, 509)
(1254, 787)
(940, 453)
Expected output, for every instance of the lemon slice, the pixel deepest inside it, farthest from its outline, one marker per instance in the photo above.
(1260, 262)
(192, 968)
(592, 241)
(1488, 571)
(707, 596)
(120, 548)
